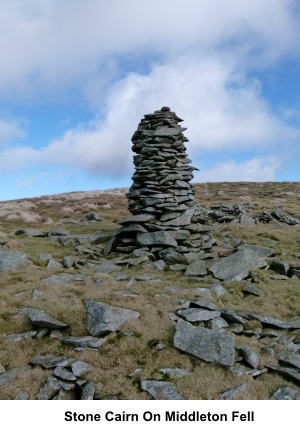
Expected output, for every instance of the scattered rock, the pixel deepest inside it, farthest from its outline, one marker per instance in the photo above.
(251, 357)
(161, 390)
(88, 391)
(260, 251)
(205, 344)
(279, 277)
(196, 268)
(175, 372)
(15, 337)
(41, 319)
(234, 392)
(49, 389)
(289, 373)
(237, 266)
(10, 259)
(31, 232)
(83, 341)
(218, 290)
(80, 368)
(252, 289)
(286, 393)
(107, 267)
(22, 395)
(103, 318)
(281, 267)
(11, 375)
(195, 315)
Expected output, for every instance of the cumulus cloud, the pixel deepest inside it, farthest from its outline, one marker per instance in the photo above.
(222, 110)
(10, 129)
(56, 45)
(124, 58)
(254, 170)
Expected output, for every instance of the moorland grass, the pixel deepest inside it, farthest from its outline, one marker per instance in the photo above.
(135, 347)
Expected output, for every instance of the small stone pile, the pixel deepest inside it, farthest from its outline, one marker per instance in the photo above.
(161, 198)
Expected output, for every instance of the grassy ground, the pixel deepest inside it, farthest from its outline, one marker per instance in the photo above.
(115, 361)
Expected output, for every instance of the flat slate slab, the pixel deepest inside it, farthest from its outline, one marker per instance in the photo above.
(288, 372)
(237, 266)
(11, 375)
(140, 218)
(130, 228)
(170, 371)
(49, 389)
(88, 391)
(107, 267)
(250, 356)
(103, 318)
(63, 373)
(208, 345)
(80, 368)
(235, 391)
(156, 238)
(286, 393)
(83, 341)
(182, 220)
(15, 337)
(261, 251)
(10, 259)
(194, 314)
(270, 321)
(161, 390)
(41, 319)
(196, 268)
(289, 358)
(49, 361)
(167, 131)
(31, 232)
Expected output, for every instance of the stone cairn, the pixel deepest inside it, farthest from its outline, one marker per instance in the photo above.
(166, 220)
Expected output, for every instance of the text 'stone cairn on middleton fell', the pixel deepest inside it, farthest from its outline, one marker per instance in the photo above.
(166, 220)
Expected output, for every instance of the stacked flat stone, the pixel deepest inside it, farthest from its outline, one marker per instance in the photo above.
(161, 197)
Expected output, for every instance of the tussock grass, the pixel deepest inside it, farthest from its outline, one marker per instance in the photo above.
(32, 379)
(135, 346)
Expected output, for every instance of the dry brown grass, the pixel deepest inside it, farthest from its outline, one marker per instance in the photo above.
(122, 353)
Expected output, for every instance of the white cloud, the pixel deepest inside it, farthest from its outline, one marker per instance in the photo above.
(222, 110)
(254, 170)
(10, 129)
(59, 45)
(128, 57)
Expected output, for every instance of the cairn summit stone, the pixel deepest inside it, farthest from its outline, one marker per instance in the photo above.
(161, 198)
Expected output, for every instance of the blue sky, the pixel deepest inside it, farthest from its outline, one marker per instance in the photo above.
(76, 78)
